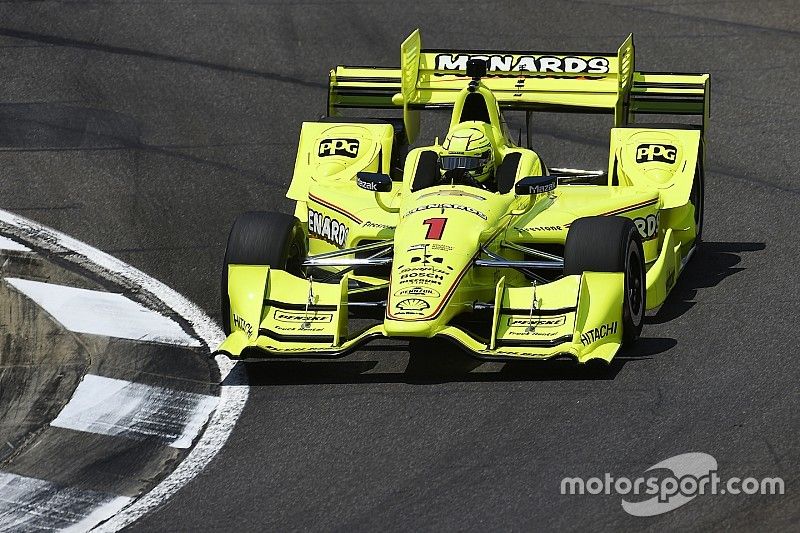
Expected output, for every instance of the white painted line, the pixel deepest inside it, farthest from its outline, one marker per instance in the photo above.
(103, 313)
(30, 504)
(11, 245)
(234, 390)
(137, 411)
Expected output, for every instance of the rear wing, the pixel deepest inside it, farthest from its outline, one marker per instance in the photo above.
(531, 81)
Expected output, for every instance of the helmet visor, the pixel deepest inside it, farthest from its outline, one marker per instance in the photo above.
(451, 162)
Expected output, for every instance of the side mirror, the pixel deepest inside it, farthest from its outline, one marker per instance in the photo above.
(535, 185)
(374, 181)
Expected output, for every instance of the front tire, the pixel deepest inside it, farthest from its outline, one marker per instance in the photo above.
(611, 244)
(276, 240)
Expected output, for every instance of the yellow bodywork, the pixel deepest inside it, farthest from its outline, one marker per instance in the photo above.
(438, 231)
(581, 318)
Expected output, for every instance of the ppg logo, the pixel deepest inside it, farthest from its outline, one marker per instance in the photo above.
(343, 147)
(663, 153)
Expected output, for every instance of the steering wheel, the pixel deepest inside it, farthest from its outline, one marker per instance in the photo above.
(460, 176)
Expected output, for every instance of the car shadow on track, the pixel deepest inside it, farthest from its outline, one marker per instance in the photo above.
(713, 262)
(431, 362)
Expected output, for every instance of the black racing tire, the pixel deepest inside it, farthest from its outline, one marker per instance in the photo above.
(272, 239)
(611, 244)
(697, 199)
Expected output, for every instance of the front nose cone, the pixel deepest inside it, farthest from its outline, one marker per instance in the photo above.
(415, 328)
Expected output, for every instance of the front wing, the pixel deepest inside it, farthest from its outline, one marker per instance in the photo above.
(274, 313)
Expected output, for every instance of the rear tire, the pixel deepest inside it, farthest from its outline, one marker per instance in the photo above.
(611, 244)
(697, 199)
(276, 240)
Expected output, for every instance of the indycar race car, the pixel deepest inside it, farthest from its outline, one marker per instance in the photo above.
(474, 239)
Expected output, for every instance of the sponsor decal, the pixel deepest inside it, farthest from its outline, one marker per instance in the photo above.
(541, 189)
(453, 192)
(425, 277)
(243, 324)
(427, 259)
(368, 185)
(537, 322)
(541, 228)
(304, 327)
(431, 268)
(525, 63)
(326, 228)
(647, 226)
(412, 304)
(431, 246)
(594, 335)
(662, 153)
(369, 224)
(302, 316)
(502, 351)
(532, 333)
(342, 147)
(418, 291)
(448, 206)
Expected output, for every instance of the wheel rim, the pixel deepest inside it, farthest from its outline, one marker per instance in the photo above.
(635, 284)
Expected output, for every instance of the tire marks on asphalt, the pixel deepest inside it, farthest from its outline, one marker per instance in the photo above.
(117, 407)
(138, 415)
(30, 504)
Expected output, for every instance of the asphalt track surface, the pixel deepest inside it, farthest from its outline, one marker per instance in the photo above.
(143, 128)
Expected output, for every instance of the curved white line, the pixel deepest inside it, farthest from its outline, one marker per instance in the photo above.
(233, 391)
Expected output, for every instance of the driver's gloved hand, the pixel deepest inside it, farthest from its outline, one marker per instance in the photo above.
(460, 176)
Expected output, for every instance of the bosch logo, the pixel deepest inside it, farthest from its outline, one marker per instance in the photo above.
(662, 153)
(343, 147)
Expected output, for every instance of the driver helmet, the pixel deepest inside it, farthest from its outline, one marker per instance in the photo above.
(468, 148)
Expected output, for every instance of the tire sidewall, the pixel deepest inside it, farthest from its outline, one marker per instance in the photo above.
(633, 305)
(287, 238)
(697, 199)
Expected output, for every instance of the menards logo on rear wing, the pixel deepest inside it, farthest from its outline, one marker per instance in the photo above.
(531, 81)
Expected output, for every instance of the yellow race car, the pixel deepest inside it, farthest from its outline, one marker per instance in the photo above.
(473, 238)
